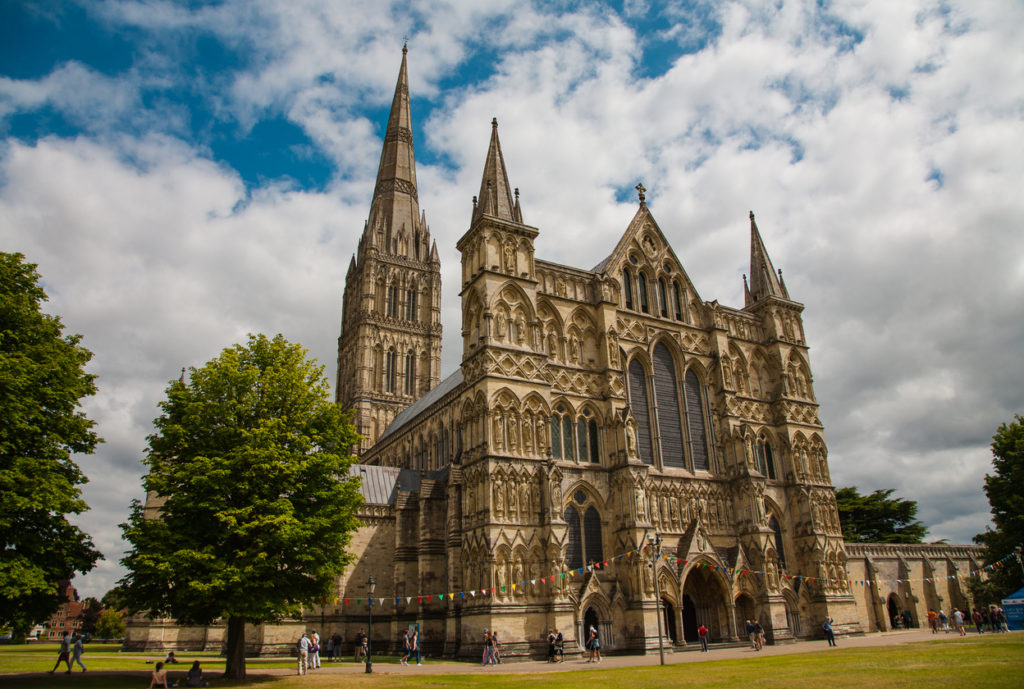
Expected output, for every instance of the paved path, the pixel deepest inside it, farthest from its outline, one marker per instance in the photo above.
(435, 667)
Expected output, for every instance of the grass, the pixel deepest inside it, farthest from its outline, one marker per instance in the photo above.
(988, 662)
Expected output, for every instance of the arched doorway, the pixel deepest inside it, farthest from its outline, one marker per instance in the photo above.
(745, 610)
(668, 621)
(705, 602)
(590, 619)
(893, 608)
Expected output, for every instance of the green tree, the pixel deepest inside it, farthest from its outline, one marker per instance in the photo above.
(42, 382)
(91, 612)
(251, 461)
(878, 518)
(1005, 490)
(110, 625)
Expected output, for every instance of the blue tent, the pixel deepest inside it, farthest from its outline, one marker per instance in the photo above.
(1014, 607)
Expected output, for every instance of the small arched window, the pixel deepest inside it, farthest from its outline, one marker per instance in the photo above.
(410, 305)
(561, 434)
(627, 286)
(390, 362)
(641, 287)
(392, 305)
(662, 298)
(585, 539)
(765, 459)
(587, 438)
(677, 301)
(410, 373)
(773, 524)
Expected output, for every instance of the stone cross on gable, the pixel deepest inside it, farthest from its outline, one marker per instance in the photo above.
(641, 189)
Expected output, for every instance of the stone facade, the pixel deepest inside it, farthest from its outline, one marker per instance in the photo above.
(592, 410)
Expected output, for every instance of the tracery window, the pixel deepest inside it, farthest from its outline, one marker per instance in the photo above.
(584, 539)
(765, 458)
(587, 440)
(561, 434)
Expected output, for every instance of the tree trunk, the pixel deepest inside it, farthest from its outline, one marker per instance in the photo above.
(234, 664)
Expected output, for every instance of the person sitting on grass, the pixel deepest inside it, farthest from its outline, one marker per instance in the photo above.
(170, 658)
(194, 678)
(159, 677)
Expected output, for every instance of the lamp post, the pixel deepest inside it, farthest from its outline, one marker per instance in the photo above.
(655, 542)
(369, 637)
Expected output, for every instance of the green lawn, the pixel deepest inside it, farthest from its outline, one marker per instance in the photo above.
(990, 661)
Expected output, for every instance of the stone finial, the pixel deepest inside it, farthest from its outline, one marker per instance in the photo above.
(494, 123)
(640, 190)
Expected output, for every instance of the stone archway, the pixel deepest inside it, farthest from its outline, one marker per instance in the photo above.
(706, 602)
(668, 621)
(893, 609)
(745, 610)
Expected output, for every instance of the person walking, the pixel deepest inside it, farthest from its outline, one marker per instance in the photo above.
(64, 654)
(978, 620)
(758, 636)
(488, 658)
(303, 653)
(336, 638)
(702, 634)
(551, 645)
(76, 653)
(314, 650)
(497, 646)
(829, 634)
(750, 635)
(933, 621)
(360, 646)
(560, 646)
(406, 648)
(594, 644)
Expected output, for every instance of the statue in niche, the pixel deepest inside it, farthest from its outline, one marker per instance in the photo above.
(641, 503)
(560, 287)
(510, 258)
(500, 323)
(534, 502)
(502, 576)
(574, 349)
(556, 496)
(524, 502)
(631, 438)
(499, 498)
(727, 371)
(552, 345)
(648, 578)
(513, 435)
(511, 500)
(528, 435)
(520, 329)
(535, 574)
(517, 572)
(496, 436)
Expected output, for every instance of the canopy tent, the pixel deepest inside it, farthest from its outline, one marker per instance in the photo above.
(1014, 607)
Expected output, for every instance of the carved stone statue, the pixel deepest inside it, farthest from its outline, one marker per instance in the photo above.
(631, 439)
(500, 324)
(510, 259)
(513, 435)
(499, 499)
(496, 436)
(520, 329)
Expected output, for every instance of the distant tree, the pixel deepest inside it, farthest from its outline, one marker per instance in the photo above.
(1005, 490)
(251, 461)
(110, 625)
(91, 612)
(878, 518)
(42, 382)
(114, 598)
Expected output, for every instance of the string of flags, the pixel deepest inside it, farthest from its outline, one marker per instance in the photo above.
(551, 579)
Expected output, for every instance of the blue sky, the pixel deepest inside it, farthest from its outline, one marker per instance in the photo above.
(186, 173)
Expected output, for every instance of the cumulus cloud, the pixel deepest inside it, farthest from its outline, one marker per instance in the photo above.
(874, 141)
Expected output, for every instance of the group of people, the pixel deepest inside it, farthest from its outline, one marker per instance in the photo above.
(992, 618)
(410, 647)
(492, 652)
(193, 678)
(71, 650)
(556, 646)
(755, 632)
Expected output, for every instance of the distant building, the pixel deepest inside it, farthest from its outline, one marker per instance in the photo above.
(69, 617)
(593, 408)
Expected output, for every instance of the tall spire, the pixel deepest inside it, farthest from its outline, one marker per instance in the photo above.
(395, 203)
(763, 280)
(495, 192)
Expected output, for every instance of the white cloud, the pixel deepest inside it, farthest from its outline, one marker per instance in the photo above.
(875, 142)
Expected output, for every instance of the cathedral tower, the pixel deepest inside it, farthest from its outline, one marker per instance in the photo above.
(389, 350)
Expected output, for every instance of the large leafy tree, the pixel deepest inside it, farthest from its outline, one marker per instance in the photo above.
(1005, 490)
(42, 382)
(878, 517)
(250, 460)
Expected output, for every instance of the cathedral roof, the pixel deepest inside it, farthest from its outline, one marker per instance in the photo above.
(423, 403)
(380, 485)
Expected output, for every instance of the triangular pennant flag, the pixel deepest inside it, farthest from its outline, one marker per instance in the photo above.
(533, 582)
(408, 599)
(462, 594)
(396, 601)
(473, 593)
(419, 599)
(359, 601)
(346, 601)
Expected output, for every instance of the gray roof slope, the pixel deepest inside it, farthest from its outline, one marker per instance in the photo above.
(413, 410)
(380, 485)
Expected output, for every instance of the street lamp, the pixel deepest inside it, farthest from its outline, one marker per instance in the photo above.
(369, 638)
(655, 542)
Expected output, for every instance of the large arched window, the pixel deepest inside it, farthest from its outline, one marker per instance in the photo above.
(641, 287)
(585, 540)
(666, 393)
(662, 298)
(765, 458)
(695, 422)
(773, 524)
(410, 373)
(561, 434)
(410, 305)
(390, 362)
(627, 286)
(587, 440)
(641, 411)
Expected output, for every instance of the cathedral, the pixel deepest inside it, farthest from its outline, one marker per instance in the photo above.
(613, 451)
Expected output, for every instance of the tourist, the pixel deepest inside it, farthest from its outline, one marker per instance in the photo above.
(758, 636)
(908, 620)
(64, 654)
(958, 622)
(416, 646)
(978, 620)
(303, 653)
(702, 634)
(750, 635)
(943, 621)
(194, 678)
(314, 650)
(594, 644)
(159, 678)
(829, 634)
(76, 652)
(560, 646)
(360, 646)
(1004, 625)
(488, 658)
(551, 645)
(406, 648)
(336, 638)
(933, 621)
(497, 646)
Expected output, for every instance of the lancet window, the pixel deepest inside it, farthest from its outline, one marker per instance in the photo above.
(641, 288)
(390, 363)
(696, 422)
(765, 457)
(410, 305)
(641, 411)
(773, 524)
(677, 301)
(585, 540)
(627, 286)
(410, 373)
(666, 393)
(662, 298)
